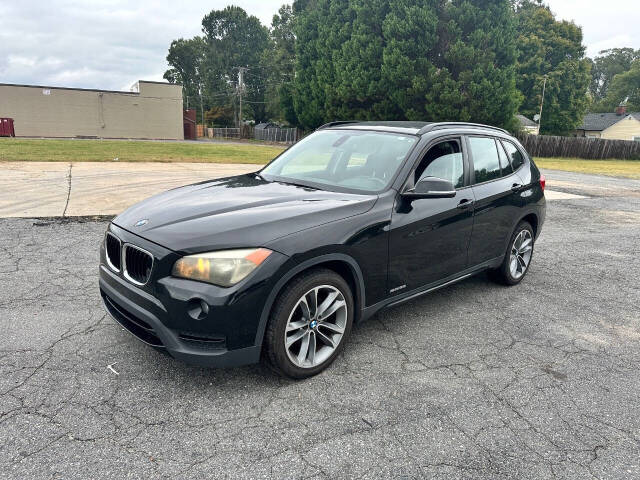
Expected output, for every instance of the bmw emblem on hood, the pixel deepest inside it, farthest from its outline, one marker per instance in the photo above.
(142, 222)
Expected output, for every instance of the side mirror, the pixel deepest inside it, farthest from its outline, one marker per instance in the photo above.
(431, 187)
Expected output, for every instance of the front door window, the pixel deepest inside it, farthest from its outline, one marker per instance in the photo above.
(443, 160)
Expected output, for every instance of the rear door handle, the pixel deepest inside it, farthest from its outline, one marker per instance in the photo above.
(465, 203)
(516, 187)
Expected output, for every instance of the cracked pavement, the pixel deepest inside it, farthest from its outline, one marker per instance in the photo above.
(476, 380)
(48, 189)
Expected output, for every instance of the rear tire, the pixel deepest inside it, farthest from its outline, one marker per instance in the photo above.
(518, 257)
(309, 324)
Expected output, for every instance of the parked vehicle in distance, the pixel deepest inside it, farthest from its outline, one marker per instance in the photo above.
(356, 217)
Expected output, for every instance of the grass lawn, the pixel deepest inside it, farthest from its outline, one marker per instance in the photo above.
(141, 151)
(613, 168)
(132, 151)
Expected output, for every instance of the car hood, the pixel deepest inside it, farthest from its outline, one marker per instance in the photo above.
(242, 211)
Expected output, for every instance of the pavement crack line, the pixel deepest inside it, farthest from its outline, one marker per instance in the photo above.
(66, 205)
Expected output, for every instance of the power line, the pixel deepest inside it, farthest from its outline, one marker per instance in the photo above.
(241, 90)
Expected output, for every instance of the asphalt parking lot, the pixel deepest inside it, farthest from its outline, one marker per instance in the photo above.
(473, 381)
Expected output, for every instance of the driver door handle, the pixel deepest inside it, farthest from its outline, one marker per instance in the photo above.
(465, 203)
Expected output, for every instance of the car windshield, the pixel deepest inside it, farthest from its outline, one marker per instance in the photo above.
(346, 159)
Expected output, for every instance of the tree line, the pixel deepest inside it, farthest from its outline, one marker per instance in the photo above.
(616, 80)
(323, 60)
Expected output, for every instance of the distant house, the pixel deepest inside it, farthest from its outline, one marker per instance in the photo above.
(619, 125)
(527, 125)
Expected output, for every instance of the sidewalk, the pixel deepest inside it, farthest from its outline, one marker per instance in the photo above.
(50, 189)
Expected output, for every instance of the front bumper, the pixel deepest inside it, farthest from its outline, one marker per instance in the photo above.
(146, 327)
(160, 313)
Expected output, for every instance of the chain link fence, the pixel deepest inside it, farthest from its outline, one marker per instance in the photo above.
(281, 135)
(276, 135)
(226, 132)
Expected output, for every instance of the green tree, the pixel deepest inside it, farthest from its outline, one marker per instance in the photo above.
(235, 39)
(315, 24)
(625, 89)
(431, 59)
(411, 42)
(359, 88)
(220, 116)
(280, 60)
(186, 58)
(607, 65)
(553, 48)
(475, 64)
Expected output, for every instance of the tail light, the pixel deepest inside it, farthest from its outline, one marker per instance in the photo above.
(543, 181)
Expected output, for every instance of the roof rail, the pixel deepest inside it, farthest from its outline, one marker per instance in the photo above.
(440, 125)
(335, 124)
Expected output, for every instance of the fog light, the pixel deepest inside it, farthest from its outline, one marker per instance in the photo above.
(197, 309)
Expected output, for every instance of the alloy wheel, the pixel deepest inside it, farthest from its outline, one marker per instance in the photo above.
(316, 326)
(521, 251)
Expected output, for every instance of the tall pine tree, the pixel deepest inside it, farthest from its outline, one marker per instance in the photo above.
(410, 33)
(279, 61)
(475, 62)
(427, 59)
(309, 90)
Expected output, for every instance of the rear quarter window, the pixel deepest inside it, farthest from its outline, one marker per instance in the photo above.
(515, 156)
(505, 164)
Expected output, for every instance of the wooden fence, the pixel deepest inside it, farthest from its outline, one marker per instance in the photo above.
(579, 147)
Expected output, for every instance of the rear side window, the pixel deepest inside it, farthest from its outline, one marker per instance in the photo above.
(485, 159)
(517, 160)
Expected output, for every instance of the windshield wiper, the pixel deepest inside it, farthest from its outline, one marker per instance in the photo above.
(287, 182)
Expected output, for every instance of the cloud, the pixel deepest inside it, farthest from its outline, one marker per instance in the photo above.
(107, 44)
(609, 24)
(111, 44)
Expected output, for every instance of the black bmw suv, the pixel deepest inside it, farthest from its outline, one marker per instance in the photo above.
(357, 217)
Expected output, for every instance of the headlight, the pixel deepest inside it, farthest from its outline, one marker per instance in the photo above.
(224, 268)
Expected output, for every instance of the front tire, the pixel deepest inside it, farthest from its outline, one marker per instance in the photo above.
(309, 324)
(518, 258)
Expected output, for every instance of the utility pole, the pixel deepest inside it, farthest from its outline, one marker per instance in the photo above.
(544, 86)
(204, 133)
(240, 91)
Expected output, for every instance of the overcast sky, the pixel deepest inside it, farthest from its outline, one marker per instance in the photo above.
(110, 44)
